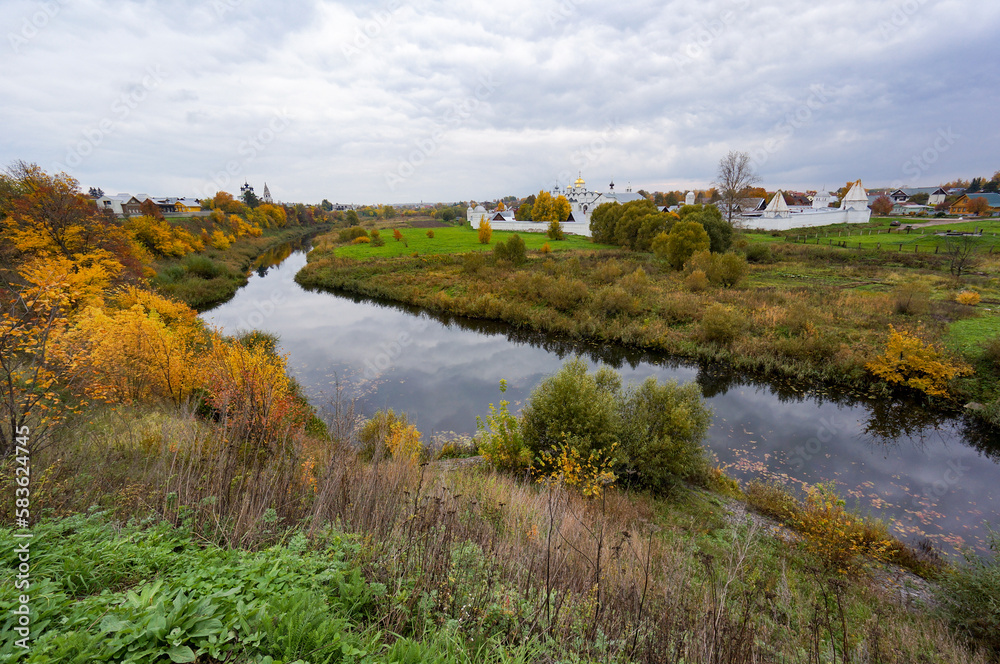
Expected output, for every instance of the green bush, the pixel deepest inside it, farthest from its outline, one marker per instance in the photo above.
(555, 231)
(203, 267)
(684, 239)
(721, 269)
(720, 324)
(376, 238)
(971, 597)
(613, 301)
(696, 281)
(759, 253)
(349, 234)
(729, 269)
(512, 250)
(663, 428)
(991, 353)
(473, 262)
(653, 432)
(574, 407)
(500, 439)
(564, 293)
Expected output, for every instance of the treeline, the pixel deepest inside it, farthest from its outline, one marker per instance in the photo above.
(79, 325)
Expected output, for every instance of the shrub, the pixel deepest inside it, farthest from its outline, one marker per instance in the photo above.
(362, 239)
(837, 537)
(485, 232)
(546, 249)
(377, 240)
(911, 298)
(203, 267)
(728, 269)
(607, 272)
(388, 435)
(396, 234)
(564, 293)
(512, 250)
(720, 324)
(572, 407)
(971, 597)
(555, 231)
(636, 282)
(585, 424)
(970, 298)
(500, 440)
(991, 353)
(663, 426)
(759, 253)
(613, 301)
(348, 234)
(473, 262)
(684, 239)
(430, 233)
(696, 281)
(910, 362)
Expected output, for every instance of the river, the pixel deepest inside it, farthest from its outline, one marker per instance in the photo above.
(930, 476)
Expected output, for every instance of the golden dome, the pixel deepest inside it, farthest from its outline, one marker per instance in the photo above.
(579, 182)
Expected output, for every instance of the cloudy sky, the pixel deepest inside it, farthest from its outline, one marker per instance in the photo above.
(407, 100)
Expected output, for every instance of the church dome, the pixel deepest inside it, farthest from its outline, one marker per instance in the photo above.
(579, 181)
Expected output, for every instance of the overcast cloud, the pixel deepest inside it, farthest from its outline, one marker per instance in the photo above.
(401, 101)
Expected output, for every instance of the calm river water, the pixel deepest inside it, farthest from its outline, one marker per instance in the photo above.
(929, 476)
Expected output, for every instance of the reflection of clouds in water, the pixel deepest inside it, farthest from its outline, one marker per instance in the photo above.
(448, 371)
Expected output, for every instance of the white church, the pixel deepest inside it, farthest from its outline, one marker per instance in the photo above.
(582, 203)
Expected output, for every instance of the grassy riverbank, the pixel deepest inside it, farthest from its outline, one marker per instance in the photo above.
(206, 278)
(161, 544)
(813, 313)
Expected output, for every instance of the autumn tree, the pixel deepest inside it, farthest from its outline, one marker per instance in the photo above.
(29, 377)
(43, 217)
(735, 176)
(882, 206)
(978, 206)
(523, 212)
(149, 208)
(485, 231)
(542, 208)
(561, 209)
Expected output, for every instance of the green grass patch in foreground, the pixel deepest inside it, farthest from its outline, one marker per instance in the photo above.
(454, 240)
(101, 592)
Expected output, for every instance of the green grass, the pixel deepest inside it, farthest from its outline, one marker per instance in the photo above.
(969, 336)
(455, 240)
(918, 239)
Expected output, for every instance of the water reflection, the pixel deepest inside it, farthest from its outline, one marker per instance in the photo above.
(932, 475)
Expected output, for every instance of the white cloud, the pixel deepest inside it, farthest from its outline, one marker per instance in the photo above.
(388, 87)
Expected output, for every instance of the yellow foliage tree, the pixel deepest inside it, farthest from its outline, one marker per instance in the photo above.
(485, 231)
(138, 354)
(911, 362)
(249, 387)
(161, 238)
(561, 209)
(543, 207)
(31, 374)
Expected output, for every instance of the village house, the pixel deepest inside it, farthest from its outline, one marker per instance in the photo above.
(962, 205)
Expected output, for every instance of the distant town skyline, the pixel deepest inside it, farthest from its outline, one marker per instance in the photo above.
(396, 102)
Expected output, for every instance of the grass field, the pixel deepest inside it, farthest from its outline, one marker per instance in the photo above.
(449, 240)
(867, 236)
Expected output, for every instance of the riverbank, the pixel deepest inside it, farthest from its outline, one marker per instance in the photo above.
(809, 313)
(207, 278)
(397, 560)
